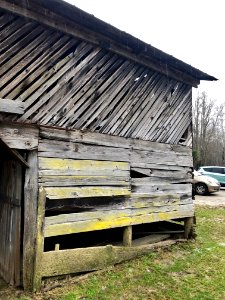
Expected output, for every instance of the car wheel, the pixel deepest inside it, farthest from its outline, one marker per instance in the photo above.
(201, 189)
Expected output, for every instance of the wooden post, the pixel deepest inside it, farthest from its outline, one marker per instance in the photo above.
(40, 240)
(188, 225)
(57, 247)
(16, 210)
(30, 219)
(127, 236)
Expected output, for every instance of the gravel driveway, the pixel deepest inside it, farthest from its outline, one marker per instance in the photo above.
(213, 200)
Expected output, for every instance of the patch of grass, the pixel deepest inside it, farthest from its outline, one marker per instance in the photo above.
(193, 270)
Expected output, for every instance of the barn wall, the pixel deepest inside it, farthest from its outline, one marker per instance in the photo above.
(91, 182)
(124, 168)
(138, 182)
(67, 82)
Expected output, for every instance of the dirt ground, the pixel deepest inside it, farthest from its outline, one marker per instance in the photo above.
(213, 200)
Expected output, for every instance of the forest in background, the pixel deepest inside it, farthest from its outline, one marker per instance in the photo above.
(208, 132)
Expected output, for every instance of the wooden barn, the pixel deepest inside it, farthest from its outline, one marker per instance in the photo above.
(95, 135)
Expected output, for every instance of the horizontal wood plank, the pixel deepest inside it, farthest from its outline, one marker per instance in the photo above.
(95, 138)
(89, 259)
(127, 206)
(84, 192)
(116, 219)
(57, 166)
(162, 158)
(133, 205)
(145, 186)
(87, 172)
(150, 239)
(62, 164)
(71, 150)
(11, 106)
(138, 158)
(63, 181)
(157, 165)
(184, 175)
(118, 203)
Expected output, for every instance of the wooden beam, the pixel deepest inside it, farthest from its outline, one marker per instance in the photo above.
(20, 158)
(70, 181)
(11, 106)
(39, 249)
(97, 220)
(150, 239)
(93, 258)
(13, 154)
(100, 139)
(19, 136)
(83, 192)
(30, 219)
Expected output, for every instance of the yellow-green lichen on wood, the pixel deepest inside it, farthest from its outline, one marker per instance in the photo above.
(89, 259)
(113, 219)
(82, 192)
(46, 163)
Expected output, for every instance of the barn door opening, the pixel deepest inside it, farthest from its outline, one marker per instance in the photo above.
(11, 195)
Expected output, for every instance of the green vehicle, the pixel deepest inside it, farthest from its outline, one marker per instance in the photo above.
(214, 172)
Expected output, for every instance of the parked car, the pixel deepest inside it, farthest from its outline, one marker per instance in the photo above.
(215, 172)
(204, 185)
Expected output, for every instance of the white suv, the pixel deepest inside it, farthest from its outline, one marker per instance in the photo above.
(204, 185)
(215, 172)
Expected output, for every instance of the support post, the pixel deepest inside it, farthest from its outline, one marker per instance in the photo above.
(57, 247)
(30, 219)
(39, 240)
(127, 236)
(188, 225)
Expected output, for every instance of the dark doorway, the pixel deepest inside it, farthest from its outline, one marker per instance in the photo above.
(11, 194)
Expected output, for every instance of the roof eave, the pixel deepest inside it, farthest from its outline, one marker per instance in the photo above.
(74, 21)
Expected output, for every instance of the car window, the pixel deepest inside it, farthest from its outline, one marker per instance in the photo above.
(218, 170)
(208, 169)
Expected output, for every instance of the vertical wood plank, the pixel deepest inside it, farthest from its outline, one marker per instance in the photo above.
(127, 236)
(10, 220)
(30, 219)
(188, 224)
(18, 181)
(57, 247)
(39, 240)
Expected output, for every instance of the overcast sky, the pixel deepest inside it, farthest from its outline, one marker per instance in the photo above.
(191, 30)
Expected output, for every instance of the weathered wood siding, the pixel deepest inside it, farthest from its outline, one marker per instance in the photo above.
(10, 221)
(105, 182)
(163, 192)
(19, 136)
(88, 259)
(124, 168)
(66, 82)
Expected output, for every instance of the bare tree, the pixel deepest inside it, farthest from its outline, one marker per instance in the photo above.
(208, 132)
